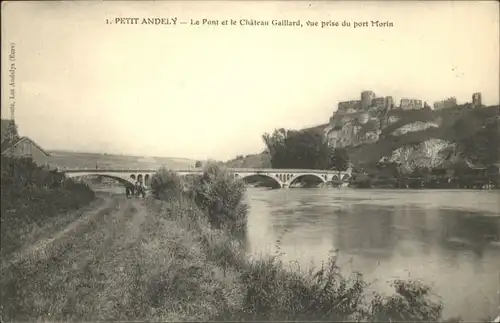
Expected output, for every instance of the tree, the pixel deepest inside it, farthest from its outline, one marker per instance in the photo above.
(275, 144)
(198, 164)
(11, 134)
(297, 149)
(339, 159)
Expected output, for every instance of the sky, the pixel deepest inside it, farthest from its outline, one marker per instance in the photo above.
(199, 91)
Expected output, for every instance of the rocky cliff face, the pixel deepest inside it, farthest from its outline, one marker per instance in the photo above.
(429, 154)
(416, 138)
(353, 130)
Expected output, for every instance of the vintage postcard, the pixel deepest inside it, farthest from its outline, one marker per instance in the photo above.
(250, 160)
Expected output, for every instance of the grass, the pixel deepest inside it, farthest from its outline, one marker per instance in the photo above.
(178, 257)
(33, 196)
(267, 289)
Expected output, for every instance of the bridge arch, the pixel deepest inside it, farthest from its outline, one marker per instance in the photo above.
(121, 180)
(248, 176)
(295, 178)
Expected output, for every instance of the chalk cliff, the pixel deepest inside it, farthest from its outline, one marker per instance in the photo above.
(414, 138)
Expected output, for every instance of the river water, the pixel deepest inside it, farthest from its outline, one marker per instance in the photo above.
(448, 239)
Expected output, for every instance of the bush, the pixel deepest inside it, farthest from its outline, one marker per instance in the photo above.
(31, 195)
(266, 288)
(166, 184)
(412, 302)
(273, 292)
(220, 195)
(276, 293)
(216, 192)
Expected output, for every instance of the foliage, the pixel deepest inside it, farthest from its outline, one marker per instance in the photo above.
(412, 302)
(273, 292)
(175, 265)
(198, 164)
(297, 149)
(31, 195)
(216, 192)
(251, 161)
(166, 184)
(220, 195)
(339, 159)
(267, 289)
(10, 133)
(483, 147)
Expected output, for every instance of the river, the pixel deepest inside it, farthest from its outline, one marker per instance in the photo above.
(449, 239)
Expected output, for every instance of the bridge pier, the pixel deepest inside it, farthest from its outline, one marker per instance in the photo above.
(285, 185)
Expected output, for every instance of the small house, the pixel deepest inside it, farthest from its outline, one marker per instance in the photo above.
(25, 147)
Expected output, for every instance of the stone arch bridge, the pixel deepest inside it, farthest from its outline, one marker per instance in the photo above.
(283, 177)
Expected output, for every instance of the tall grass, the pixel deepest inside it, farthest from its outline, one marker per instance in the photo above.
(216, 192)
(268, 289)
(179, 259)
(32, 195)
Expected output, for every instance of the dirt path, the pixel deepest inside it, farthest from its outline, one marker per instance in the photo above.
(74, 269)
(39, 248)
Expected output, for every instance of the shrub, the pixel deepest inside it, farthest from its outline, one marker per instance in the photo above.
(220, 195)
(274, 292)
(166, 184)
(267, 289)
(412, 302)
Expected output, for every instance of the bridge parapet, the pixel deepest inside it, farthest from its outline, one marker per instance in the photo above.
(197, 170)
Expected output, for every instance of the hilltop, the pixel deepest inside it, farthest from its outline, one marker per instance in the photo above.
(414, 138)
(90, 160)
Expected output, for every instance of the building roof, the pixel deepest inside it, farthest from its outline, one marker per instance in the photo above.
(6, 146)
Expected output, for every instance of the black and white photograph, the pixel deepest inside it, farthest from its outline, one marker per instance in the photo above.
(260, 161)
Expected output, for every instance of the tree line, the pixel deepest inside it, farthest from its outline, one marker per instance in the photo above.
(303, 149)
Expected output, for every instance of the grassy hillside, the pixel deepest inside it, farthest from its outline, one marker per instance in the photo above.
(262, 160)
(89, 160)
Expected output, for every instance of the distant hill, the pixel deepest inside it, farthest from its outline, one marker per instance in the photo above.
(67, 159)
(262, 160)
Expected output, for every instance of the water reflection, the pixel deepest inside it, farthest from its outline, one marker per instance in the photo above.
(448, 238)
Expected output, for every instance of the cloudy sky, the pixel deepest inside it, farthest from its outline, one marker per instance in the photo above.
(211, 91)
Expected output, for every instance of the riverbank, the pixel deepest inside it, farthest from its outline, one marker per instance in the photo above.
(179, 258)
(267, 289)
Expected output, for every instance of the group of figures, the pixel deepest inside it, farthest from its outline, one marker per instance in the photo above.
(137, 190)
